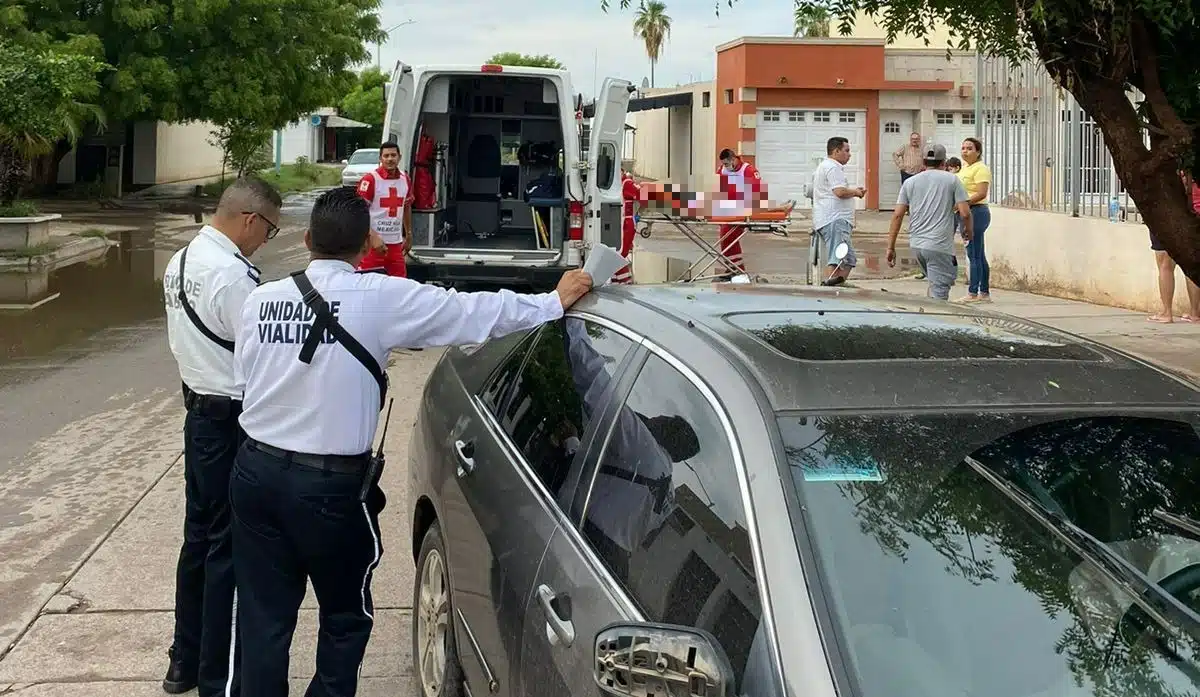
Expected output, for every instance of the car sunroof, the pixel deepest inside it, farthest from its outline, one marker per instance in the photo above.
(878, 336)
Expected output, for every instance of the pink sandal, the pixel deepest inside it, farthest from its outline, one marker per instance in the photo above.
(1159, 319)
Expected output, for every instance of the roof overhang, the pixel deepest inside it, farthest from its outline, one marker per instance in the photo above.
(662, 101)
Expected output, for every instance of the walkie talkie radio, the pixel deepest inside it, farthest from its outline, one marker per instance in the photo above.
(376, 461)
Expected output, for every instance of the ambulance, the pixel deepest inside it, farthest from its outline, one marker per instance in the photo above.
(509, 186)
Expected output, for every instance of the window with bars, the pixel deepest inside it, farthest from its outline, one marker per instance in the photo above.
(847, 117)
(944, 118)
(821, 117)
(771, 116)
(968, 118)
(795, 116)
(891, 127)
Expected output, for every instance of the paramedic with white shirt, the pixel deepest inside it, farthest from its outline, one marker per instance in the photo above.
(306, 506)
(833, 208)
(205, 285)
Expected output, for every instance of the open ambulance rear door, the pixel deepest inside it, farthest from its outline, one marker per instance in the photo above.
(602, 196)
(398, 119)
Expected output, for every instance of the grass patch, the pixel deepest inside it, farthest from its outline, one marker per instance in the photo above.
(93, 232)
(29, 252)
(290, 179)
(19, 209)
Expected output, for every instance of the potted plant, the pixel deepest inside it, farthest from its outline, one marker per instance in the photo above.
(48, 91)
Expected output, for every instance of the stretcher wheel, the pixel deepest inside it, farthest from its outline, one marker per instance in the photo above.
(643, 229)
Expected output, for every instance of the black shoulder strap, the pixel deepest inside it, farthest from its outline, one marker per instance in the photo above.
(325, 321)
(191, 313)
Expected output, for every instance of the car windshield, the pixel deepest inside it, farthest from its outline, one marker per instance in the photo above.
(1006, 555)
(364, 157)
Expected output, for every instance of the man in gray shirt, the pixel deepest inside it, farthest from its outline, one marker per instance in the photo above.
(932, 199)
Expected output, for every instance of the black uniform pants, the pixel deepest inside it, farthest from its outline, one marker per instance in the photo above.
(205, 626)
(294, 522)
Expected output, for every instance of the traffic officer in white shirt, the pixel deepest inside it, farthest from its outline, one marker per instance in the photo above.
(310, 354)
(205, 285)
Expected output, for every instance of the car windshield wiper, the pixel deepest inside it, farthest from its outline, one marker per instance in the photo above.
(1189, 526)
(1146, 594)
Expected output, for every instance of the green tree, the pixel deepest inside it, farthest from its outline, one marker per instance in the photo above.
(526, 60)
(257, 61)
(49, 91)
(366, 102)
(810, 21)
(1098, 50)
(652, 25)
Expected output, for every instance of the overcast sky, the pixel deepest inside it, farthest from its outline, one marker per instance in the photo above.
(589, 42)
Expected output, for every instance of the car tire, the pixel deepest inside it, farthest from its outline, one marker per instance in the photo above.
(433, 622)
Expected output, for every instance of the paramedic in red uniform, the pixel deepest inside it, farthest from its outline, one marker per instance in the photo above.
(390, 196)
(739, 182)
(630, 193)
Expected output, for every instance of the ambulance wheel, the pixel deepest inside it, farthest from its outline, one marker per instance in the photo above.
(435, 652)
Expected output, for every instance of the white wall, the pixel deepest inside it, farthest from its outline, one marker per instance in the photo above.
(145, 153)
(183, 152)
(300, 139)
(690, 139)
(1078, 258)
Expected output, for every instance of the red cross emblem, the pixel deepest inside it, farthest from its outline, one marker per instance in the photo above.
(392, 202)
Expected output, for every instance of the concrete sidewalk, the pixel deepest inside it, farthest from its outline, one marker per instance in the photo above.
(106, 630)
(1175, 346)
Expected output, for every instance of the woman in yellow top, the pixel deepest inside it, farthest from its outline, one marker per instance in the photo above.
(977, 179)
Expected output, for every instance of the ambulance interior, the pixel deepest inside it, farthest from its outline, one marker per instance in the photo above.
(490, 150)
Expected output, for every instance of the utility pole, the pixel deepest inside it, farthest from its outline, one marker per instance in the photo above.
(379, 44)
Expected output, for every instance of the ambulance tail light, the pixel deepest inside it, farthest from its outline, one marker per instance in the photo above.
(491, 68)
(575, 220)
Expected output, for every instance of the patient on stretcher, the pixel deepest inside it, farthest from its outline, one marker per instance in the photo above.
(700, 204)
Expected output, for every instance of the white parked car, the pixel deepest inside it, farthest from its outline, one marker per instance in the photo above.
(361, 161)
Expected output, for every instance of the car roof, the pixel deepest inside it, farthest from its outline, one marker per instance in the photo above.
(845, 353)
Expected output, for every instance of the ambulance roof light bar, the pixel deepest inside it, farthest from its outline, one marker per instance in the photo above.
(491, 68)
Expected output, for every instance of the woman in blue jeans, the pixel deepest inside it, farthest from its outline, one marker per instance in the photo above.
(977, 179)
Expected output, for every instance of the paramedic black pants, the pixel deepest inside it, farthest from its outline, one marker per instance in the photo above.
(204, 585)
(293, 522)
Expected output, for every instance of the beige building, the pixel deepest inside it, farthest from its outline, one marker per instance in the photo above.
(135, 155)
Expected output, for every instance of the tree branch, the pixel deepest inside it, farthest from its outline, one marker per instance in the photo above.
(1177, 136)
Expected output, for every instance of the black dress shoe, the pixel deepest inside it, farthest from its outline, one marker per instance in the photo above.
(179, 678)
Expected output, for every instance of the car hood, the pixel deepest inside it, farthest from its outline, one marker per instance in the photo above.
(359, 169)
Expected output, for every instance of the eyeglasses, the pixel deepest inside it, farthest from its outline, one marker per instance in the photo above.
(272, 228)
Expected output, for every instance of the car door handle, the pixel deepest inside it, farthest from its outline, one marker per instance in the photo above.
(557, 607)
(466, 456)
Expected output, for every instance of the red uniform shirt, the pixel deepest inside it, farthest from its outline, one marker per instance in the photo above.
(740, 181)
(630, 193)
(387, 209)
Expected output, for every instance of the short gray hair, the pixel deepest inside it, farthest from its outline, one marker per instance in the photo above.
(249, 194)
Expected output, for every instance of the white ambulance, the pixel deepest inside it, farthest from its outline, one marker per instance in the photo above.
(504, 191)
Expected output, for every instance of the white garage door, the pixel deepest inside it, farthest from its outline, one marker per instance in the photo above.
(789, 144)
(894, 129)
(1006, 151)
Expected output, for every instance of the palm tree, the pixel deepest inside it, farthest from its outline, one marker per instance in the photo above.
(653, 26)
(810, 21)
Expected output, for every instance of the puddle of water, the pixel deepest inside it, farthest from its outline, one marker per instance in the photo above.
(116, 298)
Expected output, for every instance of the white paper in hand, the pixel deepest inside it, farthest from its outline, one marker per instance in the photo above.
(602, 262)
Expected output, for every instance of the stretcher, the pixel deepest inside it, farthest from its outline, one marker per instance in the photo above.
(772, 221)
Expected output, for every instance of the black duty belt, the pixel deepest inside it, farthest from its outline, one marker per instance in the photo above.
(345, 464)
(211, 405)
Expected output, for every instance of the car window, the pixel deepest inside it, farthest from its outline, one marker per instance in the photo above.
(501, 381)
(561, 385)
(665, 512)
(364, 157)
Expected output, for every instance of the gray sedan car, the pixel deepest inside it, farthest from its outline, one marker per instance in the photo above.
(750, 490)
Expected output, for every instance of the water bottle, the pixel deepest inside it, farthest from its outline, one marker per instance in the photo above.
(1114, 209)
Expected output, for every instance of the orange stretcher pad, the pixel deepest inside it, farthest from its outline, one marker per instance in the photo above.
(769, 215)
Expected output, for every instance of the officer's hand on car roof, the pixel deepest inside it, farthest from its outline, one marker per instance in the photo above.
(572, 286)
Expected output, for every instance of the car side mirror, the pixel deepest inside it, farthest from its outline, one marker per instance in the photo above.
(645, 659)
(345, 162)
